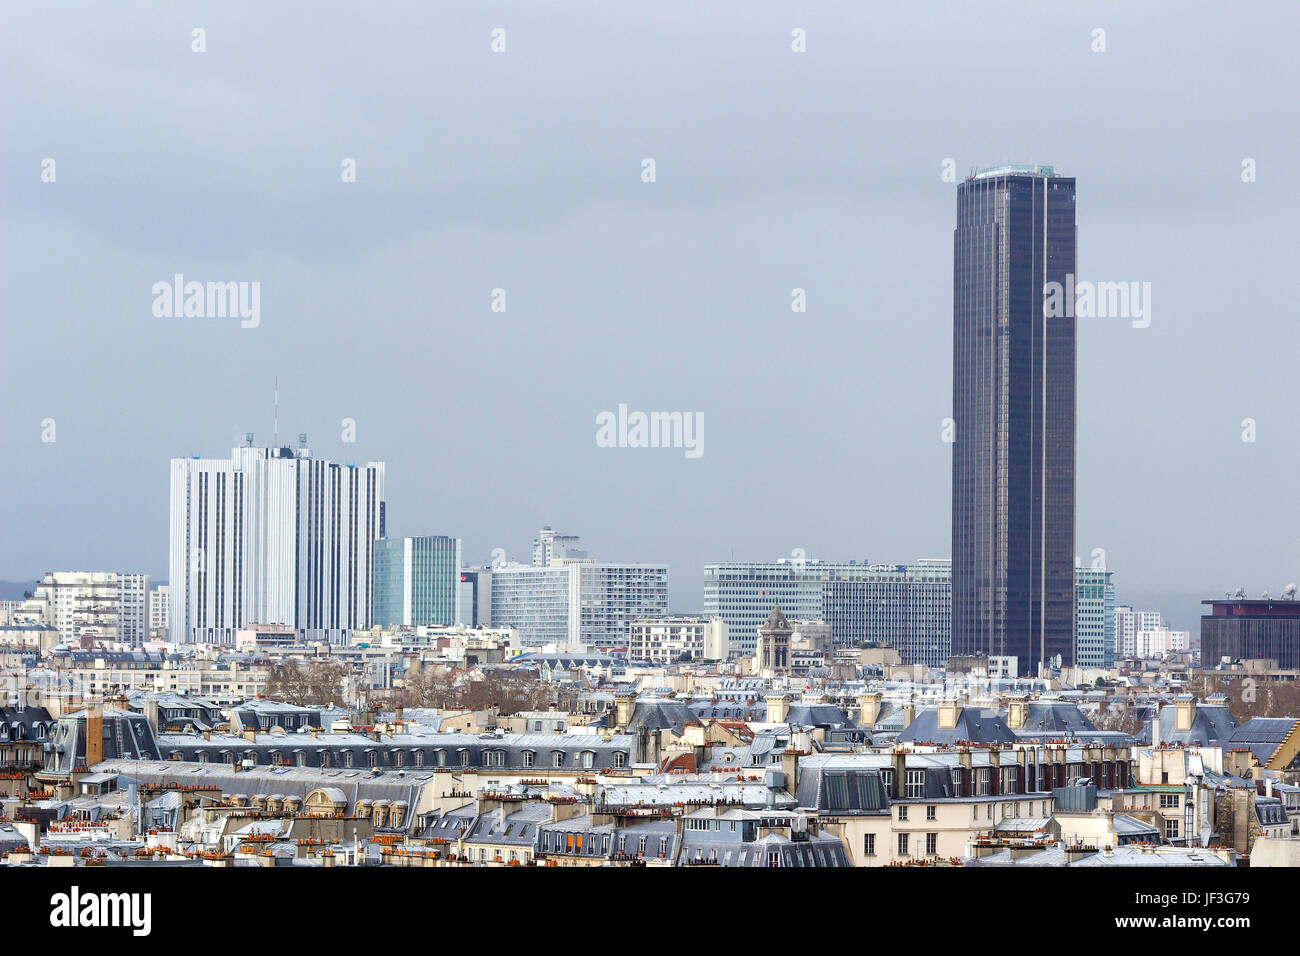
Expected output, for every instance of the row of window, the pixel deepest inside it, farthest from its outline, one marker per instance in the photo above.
(585, 759)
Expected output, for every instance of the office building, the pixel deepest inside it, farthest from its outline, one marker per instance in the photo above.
(474, 597)
(907, 607)
(904, 606)
(1094, 618)
(1237, 629)
(417, 581)
(1014, 410)
(272, 536)
(582, 604)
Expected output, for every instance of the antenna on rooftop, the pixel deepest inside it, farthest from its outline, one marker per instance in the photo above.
(277, 412)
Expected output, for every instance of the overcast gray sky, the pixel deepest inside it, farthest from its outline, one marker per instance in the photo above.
(522, 171)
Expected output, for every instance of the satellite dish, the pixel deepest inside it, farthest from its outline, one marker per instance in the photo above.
(1288, 592)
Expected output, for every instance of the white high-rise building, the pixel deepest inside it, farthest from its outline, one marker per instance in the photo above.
(272, 536)
(159, 606)
(133, 608)
(551, 546)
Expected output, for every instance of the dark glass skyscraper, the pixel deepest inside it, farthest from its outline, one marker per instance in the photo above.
(1013, 405)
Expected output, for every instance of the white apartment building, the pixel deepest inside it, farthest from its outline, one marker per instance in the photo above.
(1128, 623)
(272, 536)
(1159, 642)
(159, 611)
(133, 608)
(666, 639)
(551, 546)
(93, 606)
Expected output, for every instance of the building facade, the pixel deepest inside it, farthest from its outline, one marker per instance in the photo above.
(159, 611)
(907, 607)
(582, 604)
(1094, 618)
(133, 608)
(663, 640)
(272, 536)
(85, 607)
(551, 546)
(1014, 412)
(1239, 629)
(417, 581)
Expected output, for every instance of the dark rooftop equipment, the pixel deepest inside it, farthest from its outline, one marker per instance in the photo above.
(1078, 796)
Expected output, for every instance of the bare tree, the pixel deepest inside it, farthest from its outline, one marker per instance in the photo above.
(313, 683)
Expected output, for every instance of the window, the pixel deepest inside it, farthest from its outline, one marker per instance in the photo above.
(640, 846)
(868, 844)
(915, 783)
(931, 844)
(588, 758)
(620, 759)
(1168, 800)
(529, 757)
(983, 781)
(902, 811)
(902, 844)
(464, 758)
(1171, 829)
(956, 781)
(557, 758)
(887, 776)
(931, 812)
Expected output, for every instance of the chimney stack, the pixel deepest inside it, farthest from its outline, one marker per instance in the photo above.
(948, 711)
(94, 734)
(868, 708)
(778, 706)
(1184, 712)
(1017, 711)
(624, 704)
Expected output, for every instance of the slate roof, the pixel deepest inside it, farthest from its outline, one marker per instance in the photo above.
(1056, 717)
(1211, 726)
(24, 723)
(1118, 856)
(1261, 735)
(661, 714)
(825, 716)
(350, 785)
(973, 724)
(506, 826)
(843, 790)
